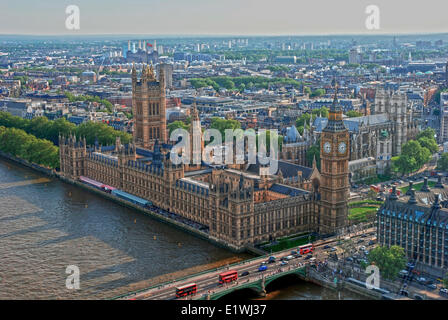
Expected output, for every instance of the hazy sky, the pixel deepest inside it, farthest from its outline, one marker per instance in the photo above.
(251, 17)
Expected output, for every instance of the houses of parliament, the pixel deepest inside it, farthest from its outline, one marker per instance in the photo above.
(240, 205)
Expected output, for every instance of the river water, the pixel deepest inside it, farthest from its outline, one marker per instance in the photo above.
(47, 225)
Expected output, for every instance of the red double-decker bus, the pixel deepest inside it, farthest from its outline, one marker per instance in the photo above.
(186, 290)
(307, 248)
(228, 276)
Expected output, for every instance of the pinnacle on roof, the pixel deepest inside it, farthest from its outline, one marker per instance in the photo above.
(335, 99)
(436, 204)
(425, 187)
(412, 199)
(393, 195)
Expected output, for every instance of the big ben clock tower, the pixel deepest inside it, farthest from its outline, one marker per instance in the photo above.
(334, 189)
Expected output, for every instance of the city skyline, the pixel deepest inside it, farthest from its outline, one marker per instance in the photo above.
(250, 18)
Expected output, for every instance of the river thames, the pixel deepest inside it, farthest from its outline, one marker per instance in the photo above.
(47, 225)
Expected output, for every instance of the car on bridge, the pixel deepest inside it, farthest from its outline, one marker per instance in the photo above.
(284, 263)
(262, 268)
(244, 273)
(432, 286)
(271, 259)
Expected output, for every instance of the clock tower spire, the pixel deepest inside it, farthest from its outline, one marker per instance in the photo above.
(334, 172)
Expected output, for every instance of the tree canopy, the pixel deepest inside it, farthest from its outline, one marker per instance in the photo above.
(415, 153)
(43, 128)
(26, 146)
(317, 93)
(223, 124)
(107, 104)
(389, 260)
(353, 114)
(177, 125)
(237, 83)
(314, 151)
(442, 164)
(304, 118)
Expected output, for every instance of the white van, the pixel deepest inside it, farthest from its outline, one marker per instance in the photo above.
(403, 273)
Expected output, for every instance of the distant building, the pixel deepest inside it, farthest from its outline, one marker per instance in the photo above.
(145, 53)
(443, 136)
(362, 169)
(286, 59)
(168, 70)
(354, 56)
(88, 76)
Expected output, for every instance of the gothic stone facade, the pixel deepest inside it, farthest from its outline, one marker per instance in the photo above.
(417, 222)
(149, 107)
(237, 207)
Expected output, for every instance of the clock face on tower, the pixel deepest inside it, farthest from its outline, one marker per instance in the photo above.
(342, 147)
(327, 147)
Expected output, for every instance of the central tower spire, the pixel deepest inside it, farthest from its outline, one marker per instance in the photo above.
(334, 188)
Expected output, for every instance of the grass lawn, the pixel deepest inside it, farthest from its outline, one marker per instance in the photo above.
(418, 186)
(285, 243)
(362, 214)
(364, 202)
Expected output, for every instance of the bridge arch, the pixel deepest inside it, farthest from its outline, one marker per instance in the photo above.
(297, 275)
(253, 290)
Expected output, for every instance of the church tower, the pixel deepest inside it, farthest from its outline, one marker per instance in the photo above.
(148, 107)
(334, 189)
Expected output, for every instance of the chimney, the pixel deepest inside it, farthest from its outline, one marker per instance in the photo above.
(393, 196)
(436, 204)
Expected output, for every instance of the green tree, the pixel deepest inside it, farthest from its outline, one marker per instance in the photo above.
(428, 133)
(317, 93)
(353, 114)
(442, 164)
(314, 152)
(437, 95)
(274, 135)
(26, 146)
(404, 164)
(307, 90)
(413, 156)
(105, 134)
(176, 125)
(303, 119)
(429, 143)
(389, 260)
(324, 112)
(223, 124)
